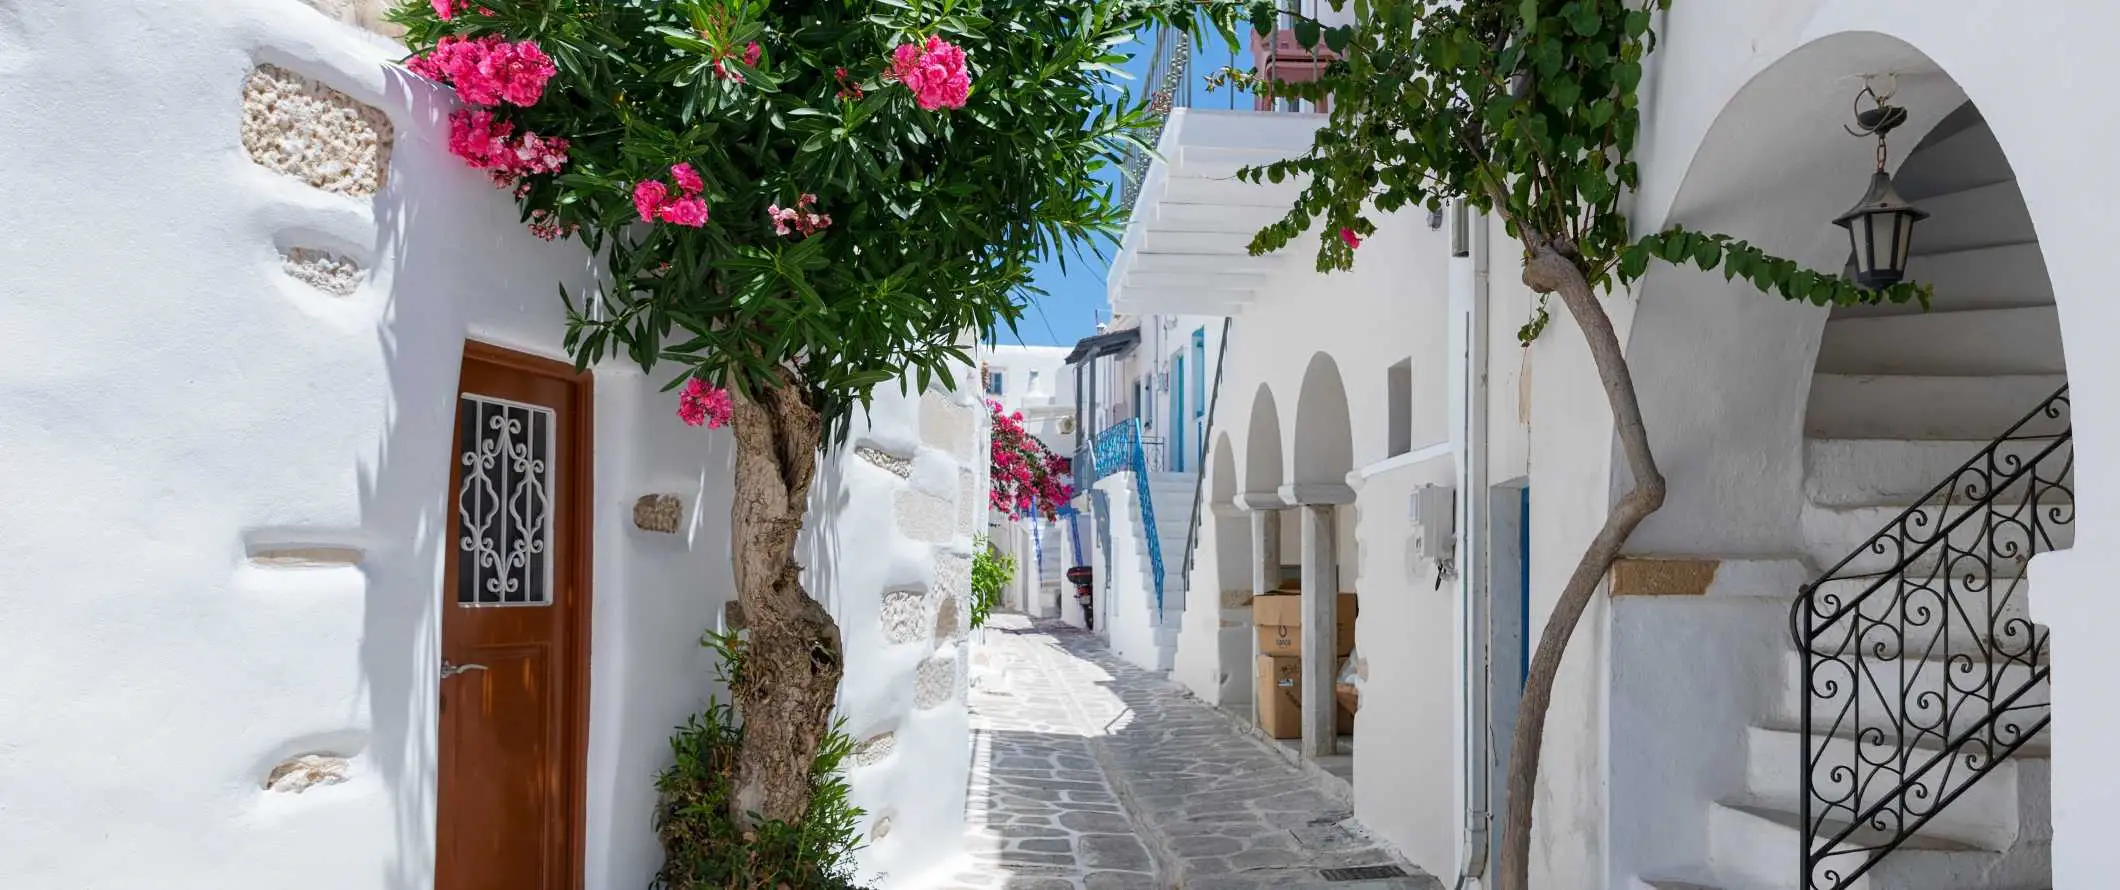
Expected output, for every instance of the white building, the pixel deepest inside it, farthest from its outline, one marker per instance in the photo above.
(256, 314)
(1032, 381)
(1677, 753)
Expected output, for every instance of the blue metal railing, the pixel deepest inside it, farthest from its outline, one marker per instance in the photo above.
(1117, 450)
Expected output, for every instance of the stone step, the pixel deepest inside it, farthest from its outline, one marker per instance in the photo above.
(1980, 278)
(1986, 216)
(1993, 812)
(1921, 689)
(1976, 533)
(1988, 615)
(1756, 847)
(1858, 406)
(1898, 472)
(2021, 340)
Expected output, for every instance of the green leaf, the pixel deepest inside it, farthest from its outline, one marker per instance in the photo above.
(1633, 262)
(1306, 32)
(1707, 254)
(1527, 12)
(1338, 38)
(1265, 19)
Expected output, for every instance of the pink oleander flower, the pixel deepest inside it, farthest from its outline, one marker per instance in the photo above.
(648, 196)
(847, 89)
(934, 71)
(520, 71)
(488, 70)
(701, 404)
(445, 9)
(799, 218)
(751, 54)
(687, 178)
(1353, 240)
(690, 212)
(490, 144)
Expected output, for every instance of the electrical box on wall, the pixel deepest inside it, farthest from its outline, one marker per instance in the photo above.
(1434, 514)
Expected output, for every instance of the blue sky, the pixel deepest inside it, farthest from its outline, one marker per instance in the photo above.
(1075, 297)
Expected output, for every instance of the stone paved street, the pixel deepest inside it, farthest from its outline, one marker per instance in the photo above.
(1091, 774)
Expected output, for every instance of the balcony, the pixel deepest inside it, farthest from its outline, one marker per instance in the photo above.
(1184, 250)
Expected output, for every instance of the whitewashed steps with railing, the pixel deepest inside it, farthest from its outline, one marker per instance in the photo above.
(1831, 533)
(2007, 805)
(1898, 472)
(1870, 406)
(2017, 340)
(1990, 616)
(1917, 686)
(1756, 847)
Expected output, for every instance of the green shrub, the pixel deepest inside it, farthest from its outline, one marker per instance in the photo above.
(991, 571)
(704, 848)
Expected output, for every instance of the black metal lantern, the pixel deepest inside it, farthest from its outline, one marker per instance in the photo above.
(1881, 225)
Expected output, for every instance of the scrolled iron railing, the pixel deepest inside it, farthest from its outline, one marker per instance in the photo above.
(1170, 77)
(1118, 450)
(1922, 669)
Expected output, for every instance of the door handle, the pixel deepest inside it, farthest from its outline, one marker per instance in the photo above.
(451, 670)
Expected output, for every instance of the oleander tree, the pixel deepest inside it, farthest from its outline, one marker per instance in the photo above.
(1527, 110)
(795, 202)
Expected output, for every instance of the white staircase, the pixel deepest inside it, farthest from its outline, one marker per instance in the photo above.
(1137, 633)
(1901, 399)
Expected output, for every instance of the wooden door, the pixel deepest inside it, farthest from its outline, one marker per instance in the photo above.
(515, 607)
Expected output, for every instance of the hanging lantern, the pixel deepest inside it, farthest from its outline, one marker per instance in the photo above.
(1881, 225)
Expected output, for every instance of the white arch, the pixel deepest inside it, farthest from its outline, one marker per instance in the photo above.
(1324, 441)
(1262, 444)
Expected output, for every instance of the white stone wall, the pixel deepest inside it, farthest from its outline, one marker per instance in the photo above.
(889, 551)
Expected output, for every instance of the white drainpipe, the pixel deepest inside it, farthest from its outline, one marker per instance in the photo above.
(1476, 573)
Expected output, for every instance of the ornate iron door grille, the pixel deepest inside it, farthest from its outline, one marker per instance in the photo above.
(1921, 669)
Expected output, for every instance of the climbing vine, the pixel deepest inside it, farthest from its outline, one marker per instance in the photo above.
(1528, 110)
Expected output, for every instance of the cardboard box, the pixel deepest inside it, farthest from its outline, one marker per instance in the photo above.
(1279, 619)
(1279, 699)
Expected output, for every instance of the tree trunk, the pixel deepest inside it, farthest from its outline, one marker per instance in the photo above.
(792, 662)
(1554, 268)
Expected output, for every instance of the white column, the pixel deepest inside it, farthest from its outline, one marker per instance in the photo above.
(1265, 509)
(1321, 651)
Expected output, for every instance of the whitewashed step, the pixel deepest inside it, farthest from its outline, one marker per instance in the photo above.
(1986, 216)
(2010, 526)
(1890, 686)
(1898, 472)
(1855, 406)
(1980, 278)
(1990, 814)
(2024, 340)
(1967, 159)
(1757, 848)
(1989, 615)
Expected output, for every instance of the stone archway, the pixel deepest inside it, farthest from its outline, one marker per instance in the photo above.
(1791, 433)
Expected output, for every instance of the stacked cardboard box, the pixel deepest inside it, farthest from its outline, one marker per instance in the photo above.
(1278, 618)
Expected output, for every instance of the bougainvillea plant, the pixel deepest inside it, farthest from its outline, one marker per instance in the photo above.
(1028, 479)
(795, 203)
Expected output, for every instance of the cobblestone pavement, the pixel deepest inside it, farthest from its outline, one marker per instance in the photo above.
(1090, 774)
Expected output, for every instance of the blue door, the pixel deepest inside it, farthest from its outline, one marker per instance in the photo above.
(1177, 415)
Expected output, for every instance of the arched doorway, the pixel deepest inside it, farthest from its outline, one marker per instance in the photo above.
(1877, 453)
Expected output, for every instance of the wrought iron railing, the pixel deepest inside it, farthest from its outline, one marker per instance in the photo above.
(1922, 669)
(1207, 438)
(1119, 450)
(1169, 83)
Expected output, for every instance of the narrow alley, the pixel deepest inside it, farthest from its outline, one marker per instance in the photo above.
(1090, 773)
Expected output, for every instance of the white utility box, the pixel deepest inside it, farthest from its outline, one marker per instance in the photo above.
(1434, 514)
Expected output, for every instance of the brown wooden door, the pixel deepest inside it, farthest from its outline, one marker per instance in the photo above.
(515, 599)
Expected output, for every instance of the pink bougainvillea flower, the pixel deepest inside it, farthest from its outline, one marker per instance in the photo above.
(934, 71)
(1353, 240)
(691, 212)
(687, 179)
(703, 405)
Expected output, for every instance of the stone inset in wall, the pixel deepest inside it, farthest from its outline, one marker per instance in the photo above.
(323, 270)
(953, 574)
(935, 681)
(304, 129)
(298, 774)
(1648, 576)
(898, 466)
(949, 621)
(945, 424)
(305, 557)
(658, 513)
(967, 501)
(904, 616)
(872, 750)
(922, 516)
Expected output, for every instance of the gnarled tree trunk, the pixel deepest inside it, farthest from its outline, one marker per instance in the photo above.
(792, 659)
(1555, 268)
